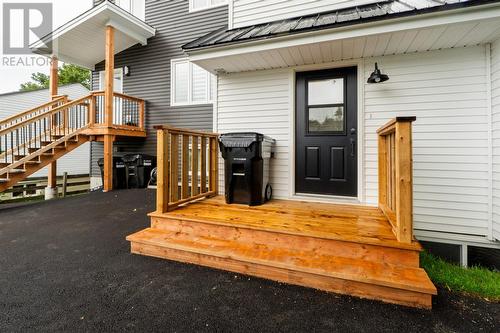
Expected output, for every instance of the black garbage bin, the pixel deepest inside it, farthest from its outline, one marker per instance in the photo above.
(119, 179)
(138, 169)
(246, 167)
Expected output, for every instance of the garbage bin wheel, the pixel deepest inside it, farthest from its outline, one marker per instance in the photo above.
(269, 192)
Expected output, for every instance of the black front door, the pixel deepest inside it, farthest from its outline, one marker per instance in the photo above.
(326, 132)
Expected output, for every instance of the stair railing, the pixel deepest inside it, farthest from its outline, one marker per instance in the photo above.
(187, 166)
(20, 140)
(25, 115)
(395, 176)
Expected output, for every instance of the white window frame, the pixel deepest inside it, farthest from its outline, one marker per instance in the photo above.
(141, 15)
(210, 84)
(209, 6)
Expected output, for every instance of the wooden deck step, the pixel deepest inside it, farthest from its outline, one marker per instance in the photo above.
(308, 241)
(4, 180)
(364, 278)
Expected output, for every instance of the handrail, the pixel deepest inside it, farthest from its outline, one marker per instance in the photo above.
(395, 176)
(42, 115)
(195, 151)
(46, 106)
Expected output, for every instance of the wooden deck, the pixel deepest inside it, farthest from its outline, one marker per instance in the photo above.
(348, 249)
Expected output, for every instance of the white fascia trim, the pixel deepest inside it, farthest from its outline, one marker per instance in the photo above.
(353, 31)
(147, 31)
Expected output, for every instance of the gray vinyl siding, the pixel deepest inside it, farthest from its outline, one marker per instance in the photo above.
(150, 71)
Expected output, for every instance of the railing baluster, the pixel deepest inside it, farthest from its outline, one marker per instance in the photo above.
(213, 165)
(203, 169)
(174, 167)
(194, 165)
(185, 166)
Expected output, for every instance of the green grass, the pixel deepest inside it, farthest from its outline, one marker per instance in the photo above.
(475, 281)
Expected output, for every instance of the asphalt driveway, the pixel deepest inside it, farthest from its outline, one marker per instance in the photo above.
(65, 266)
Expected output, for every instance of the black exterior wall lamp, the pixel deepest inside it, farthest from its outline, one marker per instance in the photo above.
(377, 76)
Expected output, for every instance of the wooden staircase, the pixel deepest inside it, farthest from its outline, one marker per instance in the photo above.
(343, 249)
(35, 138)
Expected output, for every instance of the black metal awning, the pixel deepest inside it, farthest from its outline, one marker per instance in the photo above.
(383, 10)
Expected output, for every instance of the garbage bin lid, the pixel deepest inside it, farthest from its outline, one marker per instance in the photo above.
(242, 139)
(131, 157)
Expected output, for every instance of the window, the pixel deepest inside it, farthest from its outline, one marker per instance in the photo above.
(135, 7)
(195, 5)
(190, 84)
(325, 101)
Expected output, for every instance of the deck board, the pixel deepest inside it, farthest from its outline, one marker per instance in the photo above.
(354, 223)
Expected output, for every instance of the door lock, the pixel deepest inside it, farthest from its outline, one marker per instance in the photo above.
(353, 131)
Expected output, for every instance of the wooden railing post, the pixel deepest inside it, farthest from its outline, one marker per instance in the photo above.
(214, 163)
(92, 110)
(142, 114)
(162, 183)
(395, 176)
(404, 182)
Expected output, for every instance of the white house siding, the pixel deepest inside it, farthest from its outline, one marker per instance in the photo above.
(249, 12)
(446, 90)
(495, 94)
(259, 102)
(76, 162)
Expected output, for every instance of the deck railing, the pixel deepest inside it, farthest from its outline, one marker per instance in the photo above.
(128, 111)
(187, 166)
(395, 176)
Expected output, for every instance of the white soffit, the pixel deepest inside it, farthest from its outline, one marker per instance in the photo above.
(82, 41)
(460, 28)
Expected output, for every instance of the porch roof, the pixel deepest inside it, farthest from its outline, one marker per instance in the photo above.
(389, 27)
(81, 41)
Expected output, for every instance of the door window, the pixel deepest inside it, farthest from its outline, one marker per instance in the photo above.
(325, 106)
